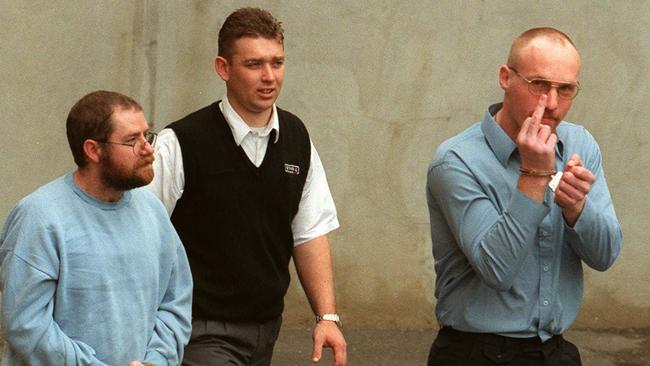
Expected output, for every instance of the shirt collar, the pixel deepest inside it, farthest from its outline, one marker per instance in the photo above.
(240, 129)
(500, 143)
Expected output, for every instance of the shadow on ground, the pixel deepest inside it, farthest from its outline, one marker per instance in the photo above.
(410, 348)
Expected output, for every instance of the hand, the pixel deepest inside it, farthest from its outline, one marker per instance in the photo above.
(572, 191)
(536, 141)
(138, 363)
(328, 334)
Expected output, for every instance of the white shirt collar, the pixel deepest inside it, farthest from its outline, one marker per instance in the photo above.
(240, 129)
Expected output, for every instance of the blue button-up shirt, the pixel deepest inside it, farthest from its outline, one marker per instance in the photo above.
(504, 263)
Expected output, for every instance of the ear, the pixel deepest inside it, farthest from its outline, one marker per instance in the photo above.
(222, 68)
(93, 151)
(504, 77)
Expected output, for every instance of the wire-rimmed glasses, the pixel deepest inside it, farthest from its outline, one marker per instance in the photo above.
(139, 145)
(539, 87)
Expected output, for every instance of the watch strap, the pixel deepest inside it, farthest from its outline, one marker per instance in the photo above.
(329, 317)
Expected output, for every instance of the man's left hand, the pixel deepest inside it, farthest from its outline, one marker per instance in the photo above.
(573, 188)
(327, 334)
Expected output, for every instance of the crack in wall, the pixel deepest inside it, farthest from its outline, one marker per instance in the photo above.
(144, 56)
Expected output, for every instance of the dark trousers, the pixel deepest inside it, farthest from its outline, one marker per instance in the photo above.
(231, 343)
(456, 348)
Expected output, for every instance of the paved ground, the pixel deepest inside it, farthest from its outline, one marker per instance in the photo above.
(410, 348)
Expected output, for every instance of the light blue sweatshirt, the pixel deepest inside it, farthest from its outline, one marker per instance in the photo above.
(87, 282)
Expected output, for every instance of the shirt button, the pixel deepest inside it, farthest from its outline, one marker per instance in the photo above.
(545, 303)
(545, 268)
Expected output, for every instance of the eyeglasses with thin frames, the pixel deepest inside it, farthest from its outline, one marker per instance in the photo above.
(139, 146)
(539, 87)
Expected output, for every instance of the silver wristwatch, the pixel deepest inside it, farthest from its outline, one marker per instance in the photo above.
(329, 317)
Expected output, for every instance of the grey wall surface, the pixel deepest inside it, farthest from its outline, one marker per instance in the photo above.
(380, 84)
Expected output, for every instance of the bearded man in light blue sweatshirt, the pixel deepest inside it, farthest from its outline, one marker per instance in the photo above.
(91, 269)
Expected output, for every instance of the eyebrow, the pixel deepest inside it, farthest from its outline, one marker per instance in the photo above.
(539, 77)
(134, 135)
(263, 59)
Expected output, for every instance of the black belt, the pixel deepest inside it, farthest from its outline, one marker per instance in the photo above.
(505, 343)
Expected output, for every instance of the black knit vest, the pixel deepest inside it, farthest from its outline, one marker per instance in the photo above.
(235, 219)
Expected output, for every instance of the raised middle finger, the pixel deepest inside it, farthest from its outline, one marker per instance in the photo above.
(538, 114)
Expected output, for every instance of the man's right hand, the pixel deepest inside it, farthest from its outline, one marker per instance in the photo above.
(536, 141)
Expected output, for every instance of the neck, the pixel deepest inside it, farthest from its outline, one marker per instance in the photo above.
(255, 120)
(89, 181)
(252, 119)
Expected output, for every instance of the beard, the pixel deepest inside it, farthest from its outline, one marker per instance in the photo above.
(118, 177)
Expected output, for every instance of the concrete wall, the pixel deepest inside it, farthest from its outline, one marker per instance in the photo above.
(379, 85)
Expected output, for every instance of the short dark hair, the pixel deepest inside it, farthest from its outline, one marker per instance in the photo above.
(248, 22)
(90, 118)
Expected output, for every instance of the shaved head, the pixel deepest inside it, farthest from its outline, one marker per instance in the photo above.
(530, 36)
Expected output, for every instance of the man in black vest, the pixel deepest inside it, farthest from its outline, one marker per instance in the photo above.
(246, 191)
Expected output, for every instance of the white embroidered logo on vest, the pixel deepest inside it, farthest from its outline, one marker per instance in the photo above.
(292, 169)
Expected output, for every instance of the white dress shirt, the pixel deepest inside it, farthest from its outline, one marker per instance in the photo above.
(316, 213)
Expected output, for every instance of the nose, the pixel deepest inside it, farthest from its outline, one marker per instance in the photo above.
(144, 147)
(267, 72)
(552, 99)
(147, 149)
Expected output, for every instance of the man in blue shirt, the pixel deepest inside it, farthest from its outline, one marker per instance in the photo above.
(91, 269)
(510, 234)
